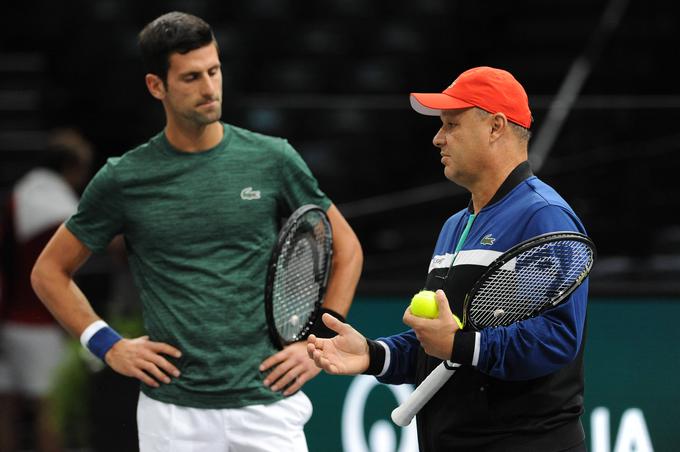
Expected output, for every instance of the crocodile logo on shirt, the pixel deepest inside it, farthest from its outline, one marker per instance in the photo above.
(248, 194)
(488, 240)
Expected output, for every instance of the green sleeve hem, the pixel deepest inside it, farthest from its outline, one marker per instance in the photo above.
(80, 235)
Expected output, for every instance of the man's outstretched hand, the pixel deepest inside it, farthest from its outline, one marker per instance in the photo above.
(344, 354)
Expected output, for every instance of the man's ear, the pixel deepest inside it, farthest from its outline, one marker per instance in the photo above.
(499, 123)
(155, 85)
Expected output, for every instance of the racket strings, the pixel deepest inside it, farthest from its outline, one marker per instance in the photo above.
(299, 277)
(533, 280)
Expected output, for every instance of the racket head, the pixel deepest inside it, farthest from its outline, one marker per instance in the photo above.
(528, 279)
(297, 274)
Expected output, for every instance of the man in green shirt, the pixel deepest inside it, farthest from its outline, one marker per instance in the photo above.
(199, 206)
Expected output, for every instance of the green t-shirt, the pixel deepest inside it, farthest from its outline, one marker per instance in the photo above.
(199, 229)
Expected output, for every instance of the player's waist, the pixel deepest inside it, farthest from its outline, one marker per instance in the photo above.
(212, 398)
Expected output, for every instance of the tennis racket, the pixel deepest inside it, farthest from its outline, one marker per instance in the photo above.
(525, 281)
(297, 275)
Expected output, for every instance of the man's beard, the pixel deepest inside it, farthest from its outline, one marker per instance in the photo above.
(204, 119)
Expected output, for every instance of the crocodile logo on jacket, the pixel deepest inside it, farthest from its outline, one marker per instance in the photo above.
(487, 240)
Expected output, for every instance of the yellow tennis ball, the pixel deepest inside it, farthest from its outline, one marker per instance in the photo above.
(423, 304)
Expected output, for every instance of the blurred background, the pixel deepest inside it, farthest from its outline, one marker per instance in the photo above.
(333, 76)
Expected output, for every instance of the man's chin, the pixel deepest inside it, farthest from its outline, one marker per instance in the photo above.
(206, 119)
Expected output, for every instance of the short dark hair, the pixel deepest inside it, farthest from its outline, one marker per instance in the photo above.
(170, 33)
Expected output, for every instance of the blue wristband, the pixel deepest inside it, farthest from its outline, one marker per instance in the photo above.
(102, 341)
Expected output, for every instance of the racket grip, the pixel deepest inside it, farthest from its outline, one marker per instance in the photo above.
(404, 413)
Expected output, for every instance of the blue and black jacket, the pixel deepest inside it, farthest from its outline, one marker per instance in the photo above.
(520, 387)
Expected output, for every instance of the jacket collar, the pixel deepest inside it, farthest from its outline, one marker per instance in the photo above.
(521, 173)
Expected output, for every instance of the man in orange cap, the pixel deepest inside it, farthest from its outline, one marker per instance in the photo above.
(519, 387)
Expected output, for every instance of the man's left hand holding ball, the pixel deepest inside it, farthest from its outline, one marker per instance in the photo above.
(435, 335)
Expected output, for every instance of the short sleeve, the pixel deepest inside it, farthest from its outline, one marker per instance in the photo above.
(298, 185)
(100, 211)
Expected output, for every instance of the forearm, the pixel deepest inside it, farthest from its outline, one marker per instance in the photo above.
(62, 297)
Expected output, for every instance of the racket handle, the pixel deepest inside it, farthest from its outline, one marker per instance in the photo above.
(404, 413)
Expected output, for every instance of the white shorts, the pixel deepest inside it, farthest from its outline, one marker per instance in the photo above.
(277, 427)
(29, 357)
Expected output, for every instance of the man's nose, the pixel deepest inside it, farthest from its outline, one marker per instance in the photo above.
(208, 86)
(439, 139)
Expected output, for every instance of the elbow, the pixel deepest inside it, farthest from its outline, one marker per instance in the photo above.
(571, 349)
(43, 276)
(568, 343)
(347, 252)
(38, 277)
(562, 353)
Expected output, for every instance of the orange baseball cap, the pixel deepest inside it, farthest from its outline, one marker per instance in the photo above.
(490, 89)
